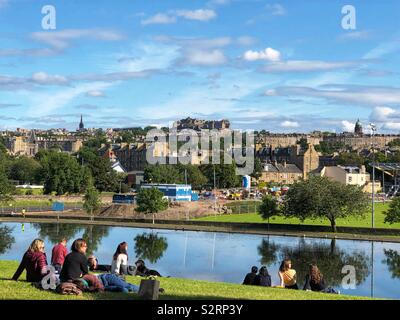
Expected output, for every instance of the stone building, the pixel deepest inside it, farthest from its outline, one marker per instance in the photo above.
(284, 173)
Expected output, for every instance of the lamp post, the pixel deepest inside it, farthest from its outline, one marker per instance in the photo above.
(373, 130)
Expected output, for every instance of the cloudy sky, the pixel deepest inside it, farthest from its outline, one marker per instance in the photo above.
(283, 66)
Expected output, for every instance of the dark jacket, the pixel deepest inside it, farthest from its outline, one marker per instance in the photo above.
(75, 266)
(262, 280)
(249, 278)
(35, 264)
(313, 286)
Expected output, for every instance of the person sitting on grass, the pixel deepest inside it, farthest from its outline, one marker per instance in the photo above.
(249, 278)
(143, 271)
(287, 275)
(58, 254)
(34, 261)
(120, 258)
(315, 281)
(75, 264)
(94, 265)
(263, 278)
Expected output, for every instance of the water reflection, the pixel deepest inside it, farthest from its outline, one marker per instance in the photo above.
(268, 251)
(329, 258)
(393, 262)
(6, 239)
(150, 246)
(54, 232)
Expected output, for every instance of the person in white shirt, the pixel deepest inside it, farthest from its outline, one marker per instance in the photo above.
(120, 258)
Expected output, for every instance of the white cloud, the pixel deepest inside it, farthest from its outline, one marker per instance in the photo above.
(159, 18)
(205, 58)
(290, 124)
(355, 35)
(348, 126)
(268, 54)
(307, 66)
(391, 126)
(199, 14)
(382, 114)
(383, 49)
(95, 94)
(276, 9)
(46, 79)
(270, 93)
(60, 40)
(246, 41)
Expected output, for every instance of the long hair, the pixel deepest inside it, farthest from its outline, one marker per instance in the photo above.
(36, 245)
(77, 245)
(264, 271)
(121, 249)
(315, 274)
(285, 265)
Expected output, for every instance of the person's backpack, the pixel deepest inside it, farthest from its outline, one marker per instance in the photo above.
(68, 288)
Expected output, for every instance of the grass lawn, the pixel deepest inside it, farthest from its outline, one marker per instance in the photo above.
(174, 289)
(348, 222)
(35, 203)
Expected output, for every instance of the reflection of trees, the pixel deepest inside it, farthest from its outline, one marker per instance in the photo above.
(393, 262)
(329, 258)
(268, 252)
(6, 239)
(93, 236)
(150, 246)
(56, 231)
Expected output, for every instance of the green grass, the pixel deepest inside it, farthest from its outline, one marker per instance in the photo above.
(34, 203)
(347, 222)
(174, 289)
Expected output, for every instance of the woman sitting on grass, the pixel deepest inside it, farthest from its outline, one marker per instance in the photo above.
(34, 261)
(315, 281)
(287, 275)
(120, 258)
(263, 278)
(75, 265)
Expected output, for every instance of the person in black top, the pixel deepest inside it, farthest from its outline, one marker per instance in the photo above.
(314, 279)
(94, 265)
(143, 271)
(75, 264)
(263, 278)
(249, 278)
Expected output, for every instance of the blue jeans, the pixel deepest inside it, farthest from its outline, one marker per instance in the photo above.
(114, 283)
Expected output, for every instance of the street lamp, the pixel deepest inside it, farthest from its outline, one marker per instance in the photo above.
(373, 130)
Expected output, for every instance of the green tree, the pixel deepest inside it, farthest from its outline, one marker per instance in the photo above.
(194, 175)
(392, 215)
(6, 189)
(163, 173)
(61, 173)
(93, 236)
(6, 239)
(269, 207)
(350, 158)
(320, 197)
(151, 201)
(258, 168)
(24, 169)
(92, 200)
(394, 143)
(150, 246)
(105, 178)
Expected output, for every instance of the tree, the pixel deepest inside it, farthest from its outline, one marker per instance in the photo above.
(194, 175)
(151, 201)
(394, 143)
(269, 207)
(24, 169)
(392, 215)
(393, 262)
(6, 239)
(105, 178)
(149, 246)
(6, 188)
(319, 197)
(350, 158)
(268, 252)
(61, 173)
(92, 200)
(163, 173)
(258, 168)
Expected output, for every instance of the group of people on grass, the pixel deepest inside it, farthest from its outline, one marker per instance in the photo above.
(74, 267)
(314, 280)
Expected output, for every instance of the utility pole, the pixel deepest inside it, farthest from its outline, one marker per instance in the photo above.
(215, 194)
(373, 129)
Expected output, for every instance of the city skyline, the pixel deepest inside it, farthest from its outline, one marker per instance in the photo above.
(273, 65)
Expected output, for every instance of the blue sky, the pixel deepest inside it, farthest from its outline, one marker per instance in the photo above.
(283, 66)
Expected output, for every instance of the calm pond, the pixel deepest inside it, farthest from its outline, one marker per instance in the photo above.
(222, 256)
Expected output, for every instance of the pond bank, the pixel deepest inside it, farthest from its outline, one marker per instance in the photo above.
(345, 233)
